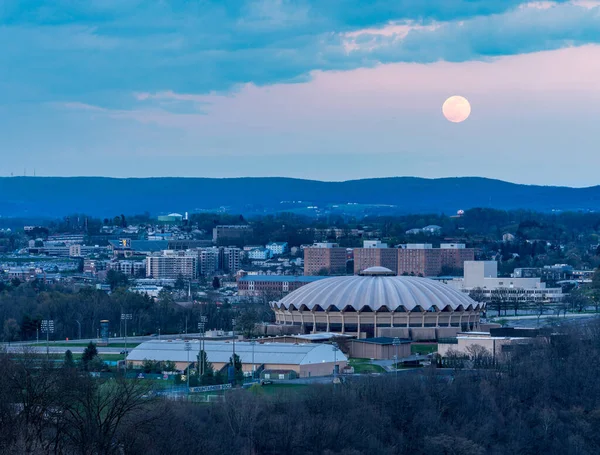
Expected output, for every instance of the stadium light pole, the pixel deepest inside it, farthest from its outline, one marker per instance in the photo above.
(201, 326)
(253, 343)
(125, 317)
(334, 348)
(48, 326)
(396, 343)
(233, 357)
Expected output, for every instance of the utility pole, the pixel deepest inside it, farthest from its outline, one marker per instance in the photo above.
(79, 326)
(125, 317)
(48, 327)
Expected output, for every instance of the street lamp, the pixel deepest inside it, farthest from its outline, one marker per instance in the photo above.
(79, 324)
(188, 347)
(125, 317)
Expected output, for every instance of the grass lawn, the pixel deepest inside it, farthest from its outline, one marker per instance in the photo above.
(272, 389)
(364, 366)
(423, 348)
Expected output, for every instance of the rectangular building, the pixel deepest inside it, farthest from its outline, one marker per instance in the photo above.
(326, 258)
(277, 247)
(230, 259)
(208, 259)
(171, 264)
(421, 259)
(375, 254)
(232, 233)
(272, 286)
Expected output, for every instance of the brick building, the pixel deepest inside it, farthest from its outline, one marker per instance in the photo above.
(325, 256)
(375, 254)
(272, 286)
(421, 259)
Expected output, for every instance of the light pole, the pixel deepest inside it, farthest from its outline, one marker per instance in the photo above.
(125, 317)
(396, 343)
(233, 357)
(334, 348)
(48, 327)
(253, 343)
(79, 324)
(201, 354)
(188, 347)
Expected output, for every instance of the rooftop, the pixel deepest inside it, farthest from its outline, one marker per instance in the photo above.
(221, 352)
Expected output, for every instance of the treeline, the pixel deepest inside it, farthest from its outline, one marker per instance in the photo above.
(543, 400)
(78, 311)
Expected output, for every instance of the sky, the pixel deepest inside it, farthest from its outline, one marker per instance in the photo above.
(319, 89)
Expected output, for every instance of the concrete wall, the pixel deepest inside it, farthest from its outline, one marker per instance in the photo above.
(393, 332)
(319, 369)
(363, 350)
(419, 334)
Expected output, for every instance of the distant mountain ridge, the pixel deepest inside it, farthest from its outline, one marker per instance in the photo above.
(105, 196)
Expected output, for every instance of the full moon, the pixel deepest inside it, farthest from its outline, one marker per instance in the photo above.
(456, 109)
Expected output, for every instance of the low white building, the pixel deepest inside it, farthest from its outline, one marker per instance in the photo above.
(277, 247)
(483, 275)
(260, 254)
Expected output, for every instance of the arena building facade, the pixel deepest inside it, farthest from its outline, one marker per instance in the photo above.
(376, 303)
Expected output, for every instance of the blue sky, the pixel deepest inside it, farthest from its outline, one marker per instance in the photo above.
(325, 89)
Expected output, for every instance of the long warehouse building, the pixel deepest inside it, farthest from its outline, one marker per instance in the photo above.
(307, 360)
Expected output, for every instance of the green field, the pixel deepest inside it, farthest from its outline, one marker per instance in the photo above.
(364, 366)
(423, 348)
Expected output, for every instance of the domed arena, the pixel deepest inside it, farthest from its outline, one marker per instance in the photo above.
(375, 301)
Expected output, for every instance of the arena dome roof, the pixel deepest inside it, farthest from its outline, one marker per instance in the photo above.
(377, 293)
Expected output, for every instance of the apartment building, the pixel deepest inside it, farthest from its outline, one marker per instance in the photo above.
(421, 259)
(327, 257)
(230, 259)
(374, 253)
(208, 259)
(170, 264)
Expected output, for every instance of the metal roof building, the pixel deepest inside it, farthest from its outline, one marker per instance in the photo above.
(305, 359)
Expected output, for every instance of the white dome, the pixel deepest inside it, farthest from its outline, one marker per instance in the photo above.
(358, 293)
